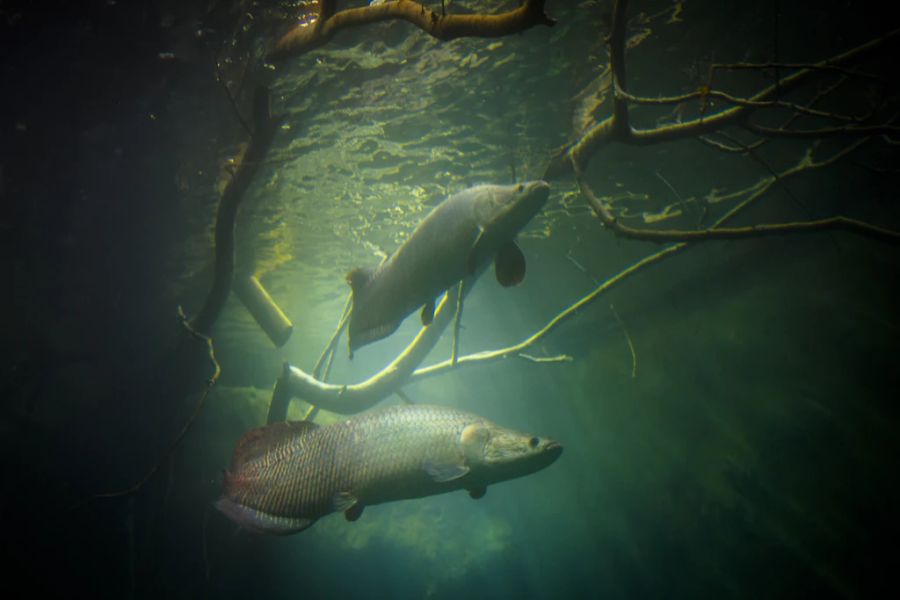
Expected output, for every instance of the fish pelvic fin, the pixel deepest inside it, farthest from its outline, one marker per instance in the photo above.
(342, 501)
(354, 512)
(261, 521)
(477, 492)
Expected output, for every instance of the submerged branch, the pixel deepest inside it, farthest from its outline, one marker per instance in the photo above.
(718, 233)
(265, 126)
(328, 353)
(304, 38)
(616, 128)
(353, 398)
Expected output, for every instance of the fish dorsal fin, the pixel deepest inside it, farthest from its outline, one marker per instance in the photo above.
(359, 277)
(257, 442)
(509, 264)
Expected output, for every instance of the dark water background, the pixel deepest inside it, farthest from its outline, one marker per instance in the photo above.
(749, 449)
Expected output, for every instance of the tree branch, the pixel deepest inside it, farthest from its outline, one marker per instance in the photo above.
(719, 233)
(353, 398)
(264, 130)
(304, 38)
(611, 129)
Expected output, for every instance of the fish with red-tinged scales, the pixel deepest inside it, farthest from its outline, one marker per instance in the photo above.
(285, 476)
(457, 238)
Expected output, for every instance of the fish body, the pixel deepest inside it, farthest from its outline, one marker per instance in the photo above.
(456, 239)
(285, 476)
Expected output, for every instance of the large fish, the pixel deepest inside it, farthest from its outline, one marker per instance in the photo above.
(455, 240)
(284, 476)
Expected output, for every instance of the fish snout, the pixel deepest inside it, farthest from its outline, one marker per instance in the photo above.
(553, 448)
(538, 188)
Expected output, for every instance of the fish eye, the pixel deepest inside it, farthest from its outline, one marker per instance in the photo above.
(533, 442)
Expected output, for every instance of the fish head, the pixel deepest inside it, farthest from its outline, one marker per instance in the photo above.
(503, 210)
(497, 453)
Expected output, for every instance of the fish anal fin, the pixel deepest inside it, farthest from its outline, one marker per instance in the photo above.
(509, 264)
(443, 472)
(428, 313)
(477, 492)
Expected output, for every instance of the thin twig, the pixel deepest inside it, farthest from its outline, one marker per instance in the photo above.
(704, 94)
(137, 486)
(669, 185)
(823, 66)
(457, 319)
(580, 267)
(328, 351)
(717, 233)
(237, 112)
(627, 339)
(546, 359)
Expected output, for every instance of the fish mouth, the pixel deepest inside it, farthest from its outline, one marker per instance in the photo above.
(538, 188)
(553, 449)
(539, 185)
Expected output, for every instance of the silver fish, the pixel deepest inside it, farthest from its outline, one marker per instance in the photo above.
(285, 476)
(456, 239)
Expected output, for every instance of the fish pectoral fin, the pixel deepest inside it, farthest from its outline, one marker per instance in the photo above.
(354, 512)
(509, 264)
(477, 492)
(344, 501)
(428, 313)
(441, 472)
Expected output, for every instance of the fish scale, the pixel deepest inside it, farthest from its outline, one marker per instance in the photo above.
(285, 476)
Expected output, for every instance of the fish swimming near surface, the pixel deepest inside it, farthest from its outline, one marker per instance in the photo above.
(285, 476)
(455, 240)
